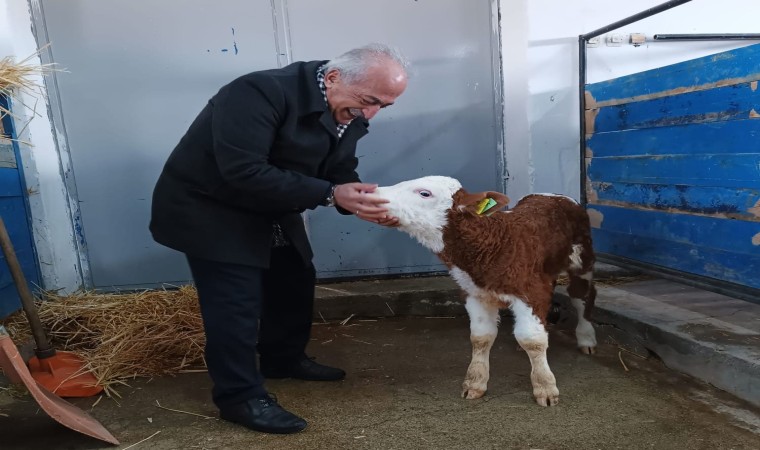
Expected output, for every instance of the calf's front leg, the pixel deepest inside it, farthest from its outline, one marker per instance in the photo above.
(484, 320)
(533, 338)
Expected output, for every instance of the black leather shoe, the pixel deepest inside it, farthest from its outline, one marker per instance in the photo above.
(263, 414)
(305, 369)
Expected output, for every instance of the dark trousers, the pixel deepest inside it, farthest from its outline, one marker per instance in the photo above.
(246, 309)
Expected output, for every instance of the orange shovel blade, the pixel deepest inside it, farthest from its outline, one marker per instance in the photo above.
(60, 410)
(63, 374)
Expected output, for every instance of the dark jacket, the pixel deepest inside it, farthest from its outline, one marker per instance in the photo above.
(264, 148)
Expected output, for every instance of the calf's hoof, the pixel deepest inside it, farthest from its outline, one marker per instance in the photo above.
(547, 397)
(472, 394)
(588, 350)
(548, 400)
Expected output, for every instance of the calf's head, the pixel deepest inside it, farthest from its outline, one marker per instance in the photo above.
(423, 205)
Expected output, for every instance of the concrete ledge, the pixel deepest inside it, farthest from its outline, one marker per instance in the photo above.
(411, 296)
(715, 348)
(425, 296)
(708, 336)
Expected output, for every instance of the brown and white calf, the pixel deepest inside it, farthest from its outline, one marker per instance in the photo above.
(509, 259)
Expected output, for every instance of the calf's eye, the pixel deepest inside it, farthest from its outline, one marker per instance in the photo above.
(425, 194)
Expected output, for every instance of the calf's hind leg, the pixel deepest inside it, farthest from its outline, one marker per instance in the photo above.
(484, 320)
(583, 294)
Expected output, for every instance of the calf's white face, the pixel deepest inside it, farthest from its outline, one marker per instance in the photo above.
(421, 206)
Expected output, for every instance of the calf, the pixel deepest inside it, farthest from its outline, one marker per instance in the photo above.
(505, 259)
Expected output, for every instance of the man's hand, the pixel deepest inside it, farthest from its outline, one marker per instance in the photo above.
(360, 200)
(386, 221)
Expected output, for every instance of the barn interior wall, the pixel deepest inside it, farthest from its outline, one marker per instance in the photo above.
(539, 70)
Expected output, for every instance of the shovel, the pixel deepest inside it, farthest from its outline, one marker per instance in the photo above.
(62, 373)
(67, 373)
(60, 410)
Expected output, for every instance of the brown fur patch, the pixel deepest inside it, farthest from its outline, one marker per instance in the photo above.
(585, 290)
(492, 301)
(590, 300)
(520, 252)
(578, 287)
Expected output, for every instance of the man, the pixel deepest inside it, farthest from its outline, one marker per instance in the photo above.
(266, 147)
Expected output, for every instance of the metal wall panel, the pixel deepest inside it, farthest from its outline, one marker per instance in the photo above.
(673, 157)
(139, 72)
(447, 123)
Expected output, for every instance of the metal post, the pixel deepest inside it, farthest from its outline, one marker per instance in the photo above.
(635, 18)
(582, 108)
(707, 37)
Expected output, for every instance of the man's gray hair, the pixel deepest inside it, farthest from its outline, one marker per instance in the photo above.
(353, 64)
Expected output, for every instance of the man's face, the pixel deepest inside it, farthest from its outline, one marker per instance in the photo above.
(380, 87)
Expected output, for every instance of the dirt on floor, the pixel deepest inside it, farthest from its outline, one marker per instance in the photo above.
(403, 391)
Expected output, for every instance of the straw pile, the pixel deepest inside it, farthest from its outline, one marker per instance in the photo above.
(16, 77)
(124, 336)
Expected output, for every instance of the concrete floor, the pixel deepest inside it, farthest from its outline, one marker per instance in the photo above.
(402, 392)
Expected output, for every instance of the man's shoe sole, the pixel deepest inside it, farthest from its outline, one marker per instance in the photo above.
(291, 430)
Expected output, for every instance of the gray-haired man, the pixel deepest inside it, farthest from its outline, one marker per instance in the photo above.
(266, 147)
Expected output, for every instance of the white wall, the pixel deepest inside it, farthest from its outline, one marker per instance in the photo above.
(539, 54)
(540, 41)
(43, 165)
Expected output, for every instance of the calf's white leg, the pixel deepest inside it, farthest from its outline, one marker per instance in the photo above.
(582, 295)
(584, 331)
(484, 320)
(533, 338)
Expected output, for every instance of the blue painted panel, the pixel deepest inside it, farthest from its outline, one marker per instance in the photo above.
(742, 63)
(735, 136)
(731, 171)
(10, 185)
(13, 210)
(673, 159)
(736, 203)
(712, 105)
(26, 260)
(11, 303)
(712, 263)
(700, 231)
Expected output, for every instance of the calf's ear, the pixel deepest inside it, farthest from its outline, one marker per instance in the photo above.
(501, 201)
(480, 203)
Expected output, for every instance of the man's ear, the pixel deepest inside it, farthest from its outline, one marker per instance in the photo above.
(332, 77)
(480, 203)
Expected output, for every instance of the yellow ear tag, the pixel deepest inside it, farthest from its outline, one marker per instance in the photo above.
(485, 204)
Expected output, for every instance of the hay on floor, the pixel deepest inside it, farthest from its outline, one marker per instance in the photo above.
(124, 336)
(144, 334)
(610, 281)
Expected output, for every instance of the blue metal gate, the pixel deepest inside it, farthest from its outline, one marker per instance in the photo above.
(673, 169)
(15, 214)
